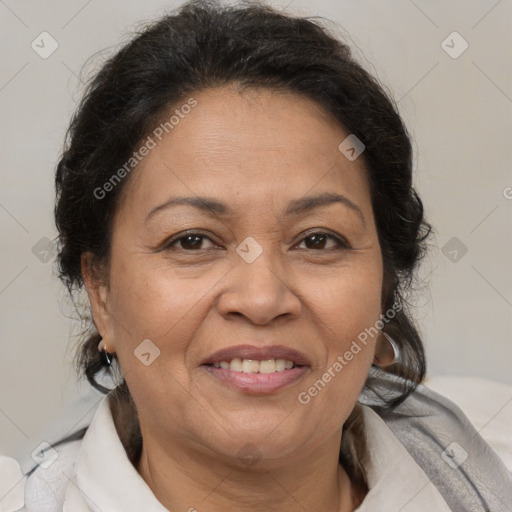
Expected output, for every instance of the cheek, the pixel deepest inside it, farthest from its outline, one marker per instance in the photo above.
(348, 304)
(153, 304)
(153, 301)
(347, 311)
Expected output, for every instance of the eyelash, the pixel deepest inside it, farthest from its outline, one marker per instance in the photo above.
(342, 244)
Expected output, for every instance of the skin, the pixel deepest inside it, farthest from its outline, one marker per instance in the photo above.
(254, 150)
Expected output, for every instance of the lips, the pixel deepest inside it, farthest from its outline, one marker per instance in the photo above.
(256, 383)
(258, 354)
(257, 370)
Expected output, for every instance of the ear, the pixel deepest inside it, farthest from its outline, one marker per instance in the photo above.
(98, 292)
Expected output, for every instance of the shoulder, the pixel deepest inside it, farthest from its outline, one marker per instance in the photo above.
(487, 404)
(446, 443)
(43, 488)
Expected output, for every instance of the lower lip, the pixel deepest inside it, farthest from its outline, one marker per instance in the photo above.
(256, 383)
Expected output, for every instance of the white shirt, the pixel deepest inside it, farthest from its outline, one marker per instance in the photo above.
(95, 474)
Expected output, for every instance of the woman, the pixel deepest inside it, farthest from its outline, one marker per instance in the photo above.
(236, 198)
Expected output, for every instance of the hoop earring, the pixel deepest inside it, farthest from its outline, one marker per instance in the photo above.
(396, 353)
(105, 356)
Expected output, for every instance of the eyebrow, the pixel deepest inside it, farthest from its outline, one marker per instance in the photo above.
(295, 207)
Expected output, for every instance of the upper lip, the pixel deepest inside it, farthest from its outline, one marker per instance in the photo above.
(258, 353)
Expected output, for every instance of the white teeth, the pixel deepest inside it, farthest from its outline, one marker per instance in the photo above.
(255, 366)
(236, 365)
(250, 366)
(267, 366)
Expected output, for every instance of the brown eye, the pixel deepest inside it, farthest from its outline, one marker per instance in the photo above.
(318, 241)
(189, 242)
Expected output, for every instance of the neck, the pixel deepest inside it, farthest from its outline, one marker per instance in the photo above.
(182, 480)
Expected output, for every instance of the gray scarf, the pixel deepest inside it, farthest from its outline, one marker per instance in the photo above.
(427, 424)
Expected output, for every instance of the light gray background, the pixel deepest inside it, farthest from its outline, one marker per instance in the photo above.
(457, 110)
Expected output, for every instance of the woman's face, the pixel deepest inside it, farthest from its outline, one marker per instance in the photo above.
(263, 277)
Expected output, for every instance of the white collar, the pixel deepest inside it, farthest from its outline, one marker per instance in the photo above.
(105, 479)
(395, 480)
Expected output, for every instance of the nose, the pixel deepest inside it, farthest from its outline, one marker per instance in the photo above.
(259, 291)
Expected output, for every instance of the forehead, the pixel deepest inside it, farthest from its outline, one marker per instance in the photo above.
(258, 145)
